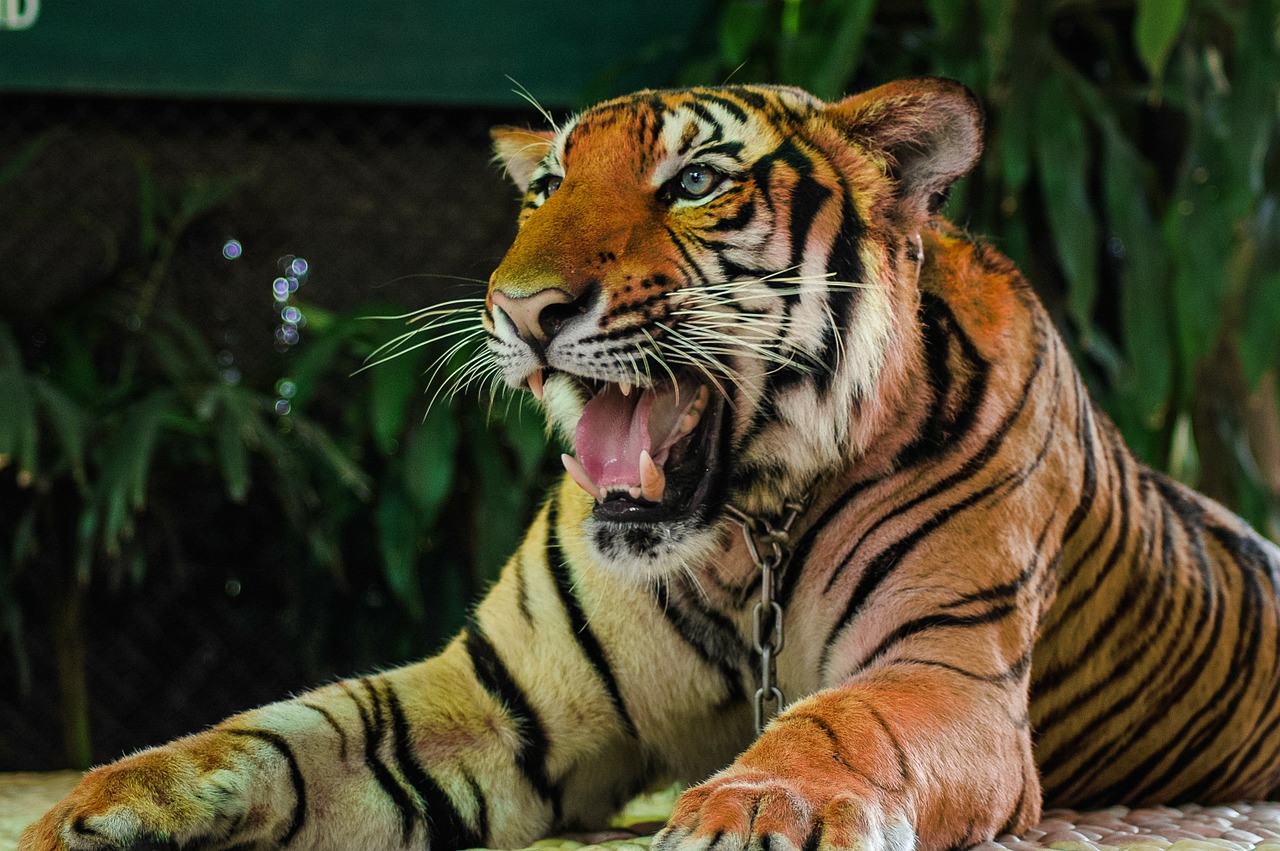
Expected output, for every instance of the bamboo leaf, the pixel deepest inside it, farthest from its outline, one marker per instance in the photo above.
(392, 387)
(1200, 232)
(948, 16)
(1144, 291)
(70, 422)
(430, 459)
(1260, 333)
(742, 24)
(526, 431)
(499, 509)
(339, 463)
(233, 456)
(28, 154)
(149, 204)
(398, 539)
(1062, 161)
(843, 48)
(1156, 29)
(19, 437)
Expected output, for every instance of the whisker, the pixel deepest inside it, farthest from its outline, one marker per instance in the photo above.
(528, 96)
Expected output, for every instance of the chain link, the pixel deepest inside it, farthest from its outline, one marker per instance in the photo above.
(769, 545)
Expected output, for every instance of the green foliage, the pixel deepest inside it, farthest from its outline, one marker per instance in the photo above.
(104, 427)
(1132, 170)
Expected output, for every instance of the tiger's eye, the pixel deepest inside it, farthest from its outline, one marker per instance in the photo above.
(552, 184)
(697, 180)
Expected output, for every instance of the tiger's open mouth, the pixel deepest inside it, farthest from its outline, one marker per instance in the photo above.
(648, 454)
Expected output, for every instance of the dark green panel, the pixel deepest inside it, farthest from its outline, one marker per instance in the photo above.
(432, 51)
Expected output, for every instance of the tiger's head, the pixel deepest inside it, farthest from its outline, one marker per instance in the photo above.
(709, 289)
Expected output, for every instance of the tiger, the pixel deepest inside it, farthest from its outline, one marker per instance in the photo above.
(742, 310)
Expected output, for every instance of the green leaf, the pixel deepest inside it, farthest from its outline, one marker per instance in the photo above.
(393, 385)
(319, 441)
(203, 193)
(22, 160)
(1146, 320)
(233, 456)
(429, 461)
(843, 49)
(149, 204)
(398, 539)
(19, 436)
(1157, 27)
(526, 431)
(742, 24)
(499, 509)
(1062, 160)
(1259, 345)
(1015, 141)
(948, 16)
(70, 422)
(1200, 234)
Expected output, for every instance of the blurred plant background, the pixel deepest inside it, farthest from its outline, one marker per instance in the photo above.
(205, 502)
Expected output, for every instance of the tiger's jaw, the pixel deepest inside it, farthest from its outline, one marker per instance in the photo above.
(655, 461)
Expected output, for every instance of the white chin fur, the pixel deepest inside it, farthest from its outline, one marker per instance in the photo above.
(647, 552)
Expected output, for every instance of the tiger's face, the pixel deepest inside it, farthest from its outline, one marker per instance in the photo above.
(705, 291)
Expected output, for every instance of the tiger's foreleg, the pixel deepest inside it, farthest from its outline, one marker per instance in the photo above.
(905, 755)
(530, 720)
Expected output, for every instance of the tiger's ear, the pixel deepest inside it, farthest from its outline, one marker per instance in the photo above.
(520, 151)
(930, 128)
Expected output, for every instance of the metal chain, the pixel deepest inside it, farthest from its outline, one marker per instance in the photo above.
(769, 545)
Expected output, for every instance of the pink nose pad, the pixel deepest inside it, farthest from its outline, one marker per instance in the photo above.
(527, 313)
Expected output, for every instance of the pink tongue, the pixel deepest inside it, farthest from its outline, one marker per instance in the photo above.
(612, 432)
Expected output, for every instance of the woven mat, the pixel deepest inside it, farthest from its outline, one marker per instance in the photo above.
(1237, 827)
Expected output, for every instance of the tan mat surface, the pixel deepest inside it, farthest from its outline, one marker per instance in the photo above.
(1237, 827)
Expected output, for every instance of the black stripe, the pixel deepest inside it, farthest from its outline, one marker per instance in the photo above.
(295, 777)
(1014, 673)
(1158, 602)
(941, 429)
(974, 465)
(1099, 752)
(579, 628)
(446, 828)
(927, 623)
(482, 807)
(710, 635)
(1011, 587)
(1240, 673)
(332, 722)
(375, 724)
(496, 679)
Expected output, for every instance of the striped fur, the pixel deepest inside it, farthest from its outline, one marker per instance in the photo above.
(991, 604)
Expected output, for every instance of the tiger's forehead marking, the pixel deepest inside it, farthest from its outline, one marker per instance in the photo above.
(655, 134)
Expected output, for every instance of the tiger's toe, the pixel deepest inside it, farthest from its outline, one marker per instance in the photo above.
(765, 813)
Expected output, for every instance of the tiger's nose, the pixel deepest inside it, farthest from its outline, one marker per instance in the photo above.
(536, 317)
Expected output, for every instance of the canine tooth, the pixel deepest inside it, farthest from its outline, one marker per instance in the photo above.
(579, 475)
(653, 482)
(625, 387)
(535, 383)
(635, 493)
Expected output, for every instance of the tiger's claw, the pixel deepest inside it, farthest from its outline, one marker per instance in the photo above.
(753, 811)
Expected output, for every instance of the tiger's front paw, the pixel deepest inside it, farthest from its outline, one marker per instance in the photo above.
(154, 800)
(751, 810)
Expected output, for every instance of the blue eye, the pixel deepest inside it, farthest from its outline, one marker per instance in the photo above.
(696, 181)
(550, 184)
